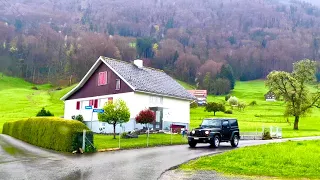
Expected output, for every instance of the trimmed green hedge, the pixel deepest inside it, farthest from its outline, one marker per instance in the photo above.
(51, 133)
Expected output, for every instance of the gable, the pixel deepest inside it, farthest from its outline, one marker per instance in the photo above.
(92, 89)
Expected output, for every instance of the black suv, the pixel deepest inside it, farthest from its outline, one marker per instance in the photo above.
(214, 131)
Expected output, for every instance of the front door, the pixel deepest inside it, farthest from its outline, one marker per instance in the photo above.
(157, 125)
(226, 133)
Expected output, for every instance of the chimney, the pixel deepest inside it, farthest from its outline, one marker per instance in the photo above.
(138, 63)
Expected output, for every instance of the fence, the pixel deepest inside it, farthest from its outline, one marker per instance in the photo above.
(275, 132)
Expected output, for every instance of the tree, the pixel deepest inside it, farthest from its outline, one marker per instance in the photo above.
(115, 113)
(146, 116)
(43, 112)
(215, 107)
(233, 101)
(294, 90)
(227, 72)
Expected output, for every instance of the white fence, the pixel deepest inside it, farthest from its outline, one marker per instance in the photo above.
(275, 132)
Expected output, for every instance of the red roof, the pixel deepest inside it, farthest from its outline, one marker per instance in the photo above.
(198, 93)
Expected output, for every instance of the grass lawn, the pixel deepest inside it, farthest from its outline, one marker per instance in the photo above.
(20, 101)
(284, 160)
(107, 141)
(264, 114)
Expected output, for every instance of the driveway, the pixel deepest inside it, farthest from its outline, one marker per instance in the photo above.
(19, 160)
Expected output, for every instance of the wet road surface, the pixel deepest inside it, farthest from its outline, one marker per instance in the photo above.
(19, 160)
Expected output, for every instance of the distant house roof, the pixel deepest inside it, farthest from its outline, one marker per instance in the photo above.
(270, 95)
(198, 93)
(140, 79)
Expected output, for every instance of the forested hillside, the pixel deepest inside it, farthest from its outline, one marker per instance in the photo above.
(58, 40)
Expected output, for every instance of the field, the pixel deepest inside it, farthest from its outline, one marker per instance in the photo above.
(281, 160)
(264, 114)
(107, 141)
(21, 101)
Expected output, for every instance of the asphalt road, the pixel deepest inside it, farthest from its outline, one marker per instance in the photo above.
(19, 160)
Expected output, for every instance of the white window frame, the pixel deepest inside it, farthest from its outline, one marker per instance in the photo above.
(118, 84)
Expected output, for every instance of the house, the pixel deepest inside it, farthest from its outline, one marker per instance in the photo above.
(140, 87)
(201, 96)
(270, 96)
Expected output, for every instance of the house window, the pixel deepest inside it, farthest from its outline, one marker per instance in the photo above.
(118, 84)
(78, 105)
(110, 99)
(156, 100)
(95, 104)
(103, 78)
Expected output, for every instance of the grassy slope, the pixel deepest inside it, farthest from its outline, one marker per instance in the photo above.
(20, 101)
(265, 114)
(288, 160)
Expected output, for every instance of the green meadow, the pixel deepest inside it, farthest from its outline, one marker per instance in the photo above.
(287, 160)
(19, 101)
(264, 114)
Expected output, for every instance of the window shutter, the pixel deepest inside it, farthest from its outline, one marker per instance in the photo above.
(91, 103)
(78, 105)
(96, 103)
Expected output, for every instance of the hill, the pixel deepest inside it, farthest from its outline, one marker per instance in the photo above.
(21, 101)
(57, 41)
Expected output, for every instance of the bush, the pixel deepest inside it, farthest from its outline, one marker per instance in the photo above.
(266, 135)
(58, 88)
(79, 118)
(233, 101)
(124, 135)
(43, 113)
(227, 97)
(193, 104)
(34, 88)
(253, 103)
(51, 133)
(229, 111)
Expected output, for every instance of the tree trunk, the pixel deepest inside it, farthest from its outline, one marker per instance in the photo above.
(114, 131)
(214, 113)
(296, 123)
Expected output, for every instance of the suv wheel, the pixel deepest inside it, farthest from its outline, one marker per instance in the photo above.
(216, 141)
(192, 144)
(235, 141)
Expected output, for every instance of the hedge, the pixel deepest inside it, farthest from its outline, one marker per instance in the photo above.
(51, 133)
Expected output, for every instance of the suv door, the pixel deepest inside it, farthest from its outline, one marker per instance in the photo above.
(226, 132)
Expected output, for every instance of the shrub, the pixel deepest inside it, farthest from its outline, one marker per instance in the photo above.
(253, 103)
(266, 135)
(193, 104)
(229, 111)
(242, 106)
(34, 88)
(58, 88)
(43, 113)
(146, 116)
(79, 118)
(233, 101)
(227, 97)
(51, 133)
(124, 135)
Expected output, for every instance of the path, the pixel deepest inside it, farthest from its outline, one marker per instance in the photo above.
(19, 160)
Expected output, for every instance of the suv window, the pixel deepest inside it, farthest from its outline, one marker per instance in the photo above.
(233, 122)
(211, 123)
(225, 123)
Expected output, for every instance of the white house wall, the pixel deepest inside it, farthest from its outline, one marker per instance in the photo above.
(176, 111)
